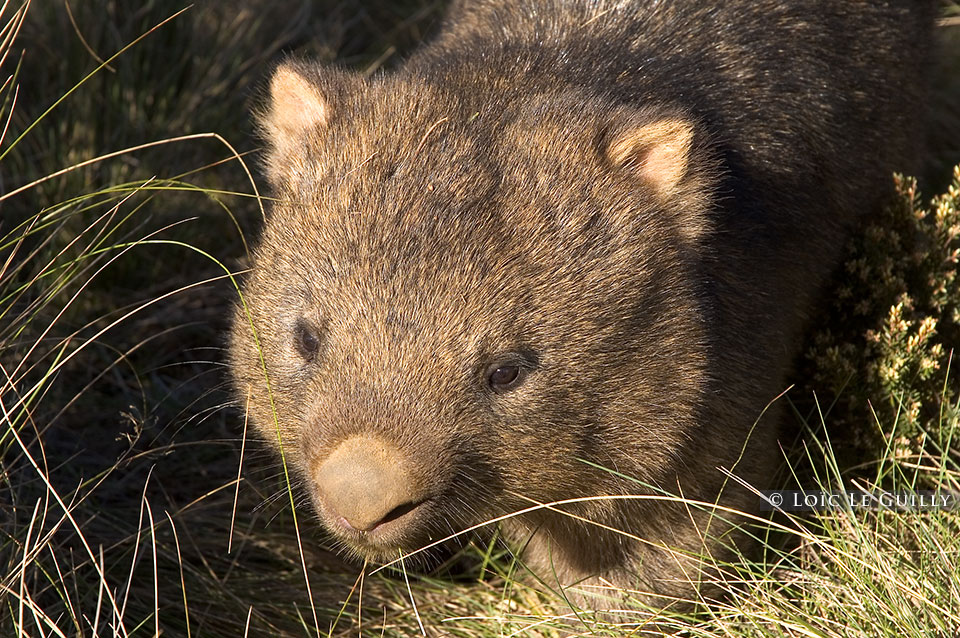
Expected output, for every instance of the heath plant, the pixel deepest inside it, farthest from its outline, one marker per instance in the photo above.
(884, 351)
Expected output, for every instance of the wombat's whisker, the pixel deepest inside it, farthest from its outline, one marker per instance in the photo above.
(281, 493)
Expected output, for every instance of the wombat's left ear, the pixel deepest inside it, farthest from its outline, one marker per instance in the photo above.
(302, 100)
(658, 151)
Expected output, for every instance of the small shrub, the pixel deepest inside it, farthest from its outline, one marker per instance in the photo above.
(884, 349)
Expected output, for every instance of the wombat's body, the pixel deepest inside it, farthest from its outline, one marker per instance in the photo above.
(565, 236)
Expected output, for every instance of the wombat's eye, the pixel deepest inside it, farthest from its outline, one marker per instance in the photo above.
(307, 340)
(504, 376)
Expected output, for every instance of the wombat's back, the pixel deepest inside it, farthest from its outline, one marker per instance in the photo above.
(810, 96)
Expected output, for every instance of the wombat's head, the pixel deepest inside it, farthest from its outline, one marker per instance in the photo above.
(461, 297)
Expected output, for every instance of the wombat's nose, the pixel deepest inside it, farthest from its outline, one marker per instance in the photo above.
(366, 482)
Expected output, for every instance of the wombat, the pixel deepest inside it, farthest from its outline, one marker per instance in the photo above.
(565, 251)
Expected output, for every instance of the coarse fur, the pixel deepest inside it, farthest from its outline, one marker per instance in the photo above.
(632, 205)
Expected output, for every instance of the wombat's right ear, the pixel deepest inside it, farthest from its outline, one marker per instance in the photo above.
(302, 100)
(296, 105)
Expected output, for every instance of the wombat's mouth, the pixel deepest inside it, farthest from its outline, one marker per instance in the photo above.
(400, 511)
(391, 523)
(406, 528)
(375, 498)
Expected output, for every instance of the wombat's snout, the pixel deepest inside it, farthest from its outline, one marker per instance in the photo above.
(367, 482)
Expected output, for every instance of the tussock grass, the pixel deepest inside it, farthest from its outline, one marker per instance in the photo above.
(132, 502)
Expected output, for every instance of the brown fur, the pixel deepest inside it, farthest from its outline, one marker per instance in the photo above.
(631, 203)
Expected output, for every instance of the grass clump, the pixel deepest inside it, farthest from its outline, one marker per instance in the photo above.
(92, 344)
